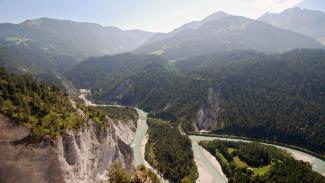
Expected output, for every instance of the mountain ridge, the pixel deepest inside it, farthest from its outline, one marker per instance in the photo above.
(303, 21)
(67, 37)
(231, 92)
(222, 32)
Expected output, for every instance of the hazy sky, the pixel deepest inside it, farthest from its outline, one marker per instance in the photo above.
(150, 15)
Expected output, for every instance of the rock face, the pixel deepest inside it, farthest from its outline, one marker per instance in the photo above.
(76, 156)
(206, 116)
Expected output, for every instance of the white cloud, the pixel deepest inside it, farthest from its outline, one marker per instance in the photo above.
(261, 6)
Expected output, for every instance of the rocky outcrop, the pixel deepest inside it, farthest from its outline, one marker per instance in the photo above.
(206, 116)
(76, 156)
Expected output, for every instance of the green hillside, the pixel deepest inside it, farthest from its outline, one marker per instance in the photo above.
(255, 162)
(27, 57)
(170, 152)
(46, 110)
(269, 96)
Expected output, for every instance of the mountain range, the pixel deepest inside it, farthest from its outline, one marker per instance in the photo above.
(76, 39)
(303, 21)
(215, 33)
(211, 55)
(223, 32)
(52, 45)
(312, 4)
(227, 76)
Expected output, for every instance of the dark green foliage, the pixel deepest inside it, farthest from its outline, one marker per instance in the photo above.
(254, 155)
(48, 111)
(118, 174)
(43, 109)
(45, 66)
(98, 113)
(105, 72)
(290, 171)
(170, 152)
(30, 58)
(143, 173)
(147, 81)
(119, 113)
(217, 146)
(94, 113)
(211, 134)
(124, 114)
(284, 168)
(257, 155)
(50, 79)
(275, 97)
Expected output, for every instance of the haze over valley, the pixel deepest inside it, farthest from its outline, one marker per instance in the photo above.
(234, 96)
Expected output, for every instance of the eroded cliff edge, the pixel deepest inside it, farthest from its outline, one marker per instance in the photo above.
(76, 156)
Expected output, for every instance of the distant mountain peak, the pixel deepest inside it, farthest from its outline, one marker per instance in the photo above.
(217, 14)
(303, 21)
(296, 10)
(223, 32)
(33, 22)
(214, 16)
(293, 11)
(313, 5)
(76, 39)
(197, 24)
(43, 20)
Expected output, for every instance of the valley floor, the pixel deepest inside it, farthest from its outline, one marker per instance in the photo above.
(209, 168)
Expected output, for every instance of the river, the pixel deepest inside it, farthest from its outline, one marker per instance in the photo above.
(140, 140)
(140, 137)
(208, 167)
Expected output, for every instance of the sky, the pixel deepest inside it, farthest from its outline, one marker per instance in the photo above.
(149, 15)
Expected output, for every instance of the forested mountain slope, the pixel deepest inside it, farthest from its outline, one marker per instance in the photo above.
(35, 106)
(259, 163)
(277, 97)
(147, 81)
(170, 152)
(46, 136)
(104, 72)
(22, 55)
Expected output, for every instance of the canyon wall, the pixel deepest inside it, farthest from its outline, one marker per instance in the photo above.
(75, 157)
